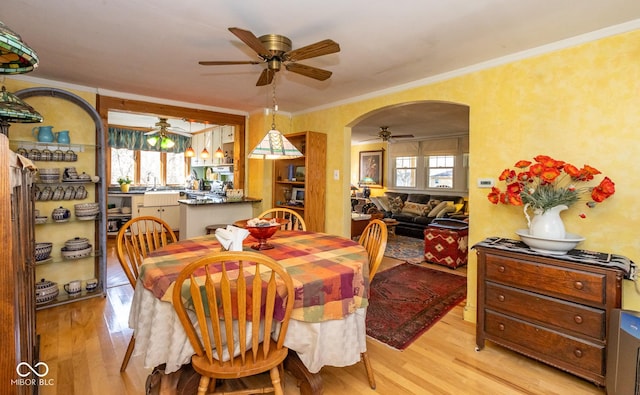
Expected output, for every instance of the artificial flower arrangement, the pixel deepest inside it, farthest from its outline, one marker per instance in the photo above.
(547, 183)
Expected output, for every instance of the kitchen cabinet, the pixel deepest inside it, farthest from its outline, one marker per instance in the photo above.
(228, 132)
(549, 308)
(163, 205)
(309, 175)
(87, 137)
(170, 214)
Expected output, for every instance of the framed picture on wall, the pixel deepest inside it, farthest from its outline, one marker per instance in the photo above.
(371, 169)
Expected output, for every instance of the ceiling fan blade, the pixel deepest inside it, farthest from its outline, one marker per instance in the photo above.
(265, 77)
(402, 136)
(309, 71)
(251, 40)
(151, 132)
(226, 62)
(320, 48)
(180, 133)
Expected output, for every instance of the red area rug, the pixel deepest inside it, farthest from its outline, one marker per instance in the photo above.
(408, 299)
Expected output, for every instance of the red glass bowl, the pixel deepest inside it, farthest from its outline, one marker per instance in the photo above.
(262, 233)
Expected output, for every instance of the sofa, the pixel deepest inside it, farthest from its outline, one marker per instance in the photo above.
(415, 211)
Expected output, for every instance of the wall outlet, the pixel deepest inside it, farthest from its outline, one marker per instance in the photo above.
(336, 174)
(486, 182)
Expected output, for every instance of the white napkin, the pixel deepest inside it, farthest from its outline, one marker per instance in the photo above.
(231, 238)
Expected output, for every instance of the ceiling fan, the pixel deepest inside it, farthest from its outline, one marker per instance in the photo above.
(163, 127)
(386, 135)
(275, 51)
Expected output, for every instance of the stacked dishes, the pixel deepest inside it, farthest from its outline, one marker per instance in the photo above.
(49, 176)
(46, 291)
(43, 250)
(87, 211)
(76, 248)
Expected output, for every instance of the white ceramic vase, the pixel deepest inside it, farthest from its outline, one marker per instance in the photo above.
(546, 224)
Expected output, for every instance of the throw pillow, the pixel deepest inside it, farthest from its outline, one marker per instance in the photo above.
(396, 205)
(458, 207)
(384, 202)
(445, 211)
(437, 209)
(413, 208)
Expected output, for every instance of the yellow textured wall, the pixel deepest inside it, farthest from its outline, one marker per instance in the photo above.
(578, 104)
(62, 115)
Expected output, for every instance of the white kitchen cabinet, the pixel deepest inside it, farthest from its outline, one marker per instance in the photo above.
(163, 205)
(169, 214)
(228, 134)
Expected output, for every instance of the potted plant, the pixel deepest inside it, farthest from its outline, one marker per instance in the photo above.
(124, 183)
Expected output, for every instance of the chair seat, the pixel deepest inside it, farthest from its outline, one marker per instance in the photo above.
(225, 371)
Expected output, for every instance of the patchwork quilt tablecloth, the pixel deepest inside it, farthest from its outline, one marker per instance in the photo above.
(330, 276)
(330, 273)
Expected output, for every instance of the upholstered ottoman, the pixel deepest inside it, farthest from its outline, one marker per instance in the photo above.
(446, 242)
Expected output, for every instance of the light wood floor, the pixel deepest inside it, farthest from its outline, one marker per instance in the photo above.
(83, 344)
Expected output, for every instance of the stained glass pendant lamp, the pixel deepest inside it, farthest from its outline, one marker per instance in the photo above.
(15, 56)
(14, 110)
(274, 145)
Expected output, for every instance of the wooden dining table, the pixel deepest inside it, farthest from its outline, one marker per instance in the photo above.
(331, 280)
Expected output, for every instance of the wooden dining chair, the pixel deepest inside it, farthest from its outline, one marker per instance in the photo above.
(237, 299)
(374, 240)
(135, 240)
(296, 222)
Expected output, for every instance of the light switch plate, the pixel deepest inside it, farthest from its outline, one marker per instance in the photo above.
(336, 174)
(486, 182)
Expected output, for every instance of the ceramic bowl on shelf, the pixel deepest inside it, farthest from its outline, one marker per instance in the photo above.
(43, 250)
(77, 243)
(550, 246)
(76, 254)
(41, 220)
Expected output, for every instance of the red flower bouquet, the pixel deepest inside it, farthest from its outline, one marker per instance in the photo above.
(547, 183)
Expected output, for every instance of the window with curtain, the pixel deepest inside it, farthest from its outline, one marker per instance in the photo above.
(131, 155)
(430, 164)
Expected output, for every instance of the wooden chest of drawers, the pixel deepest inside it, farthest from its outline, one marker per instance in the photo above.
(547, 308)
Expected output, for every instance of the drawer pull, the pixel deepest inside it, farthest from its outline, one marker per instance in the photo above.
(578, 319)
(578, 285)
(501, 269)
(501, 327)
(501, 298)
(578, 353)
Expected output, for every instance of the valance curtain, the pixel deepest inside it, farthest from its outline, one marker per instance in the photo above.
(136, 140)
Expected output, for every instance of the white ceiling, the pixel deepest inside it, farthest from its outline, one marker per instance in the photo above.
(152, 47)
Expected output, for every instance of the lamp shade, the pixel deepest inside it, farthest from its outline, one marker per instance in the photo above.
(14, 110)
(15, 56)
(275, 146)
(190, 153)
(153, 140)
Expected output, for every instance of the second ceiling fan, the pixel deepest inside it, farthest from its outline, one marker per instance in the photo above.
(386, 135)
(275, 51)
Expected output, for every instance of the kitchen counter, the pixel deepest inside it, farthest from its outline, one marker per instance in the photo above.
(217, 200)
(196, 214)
